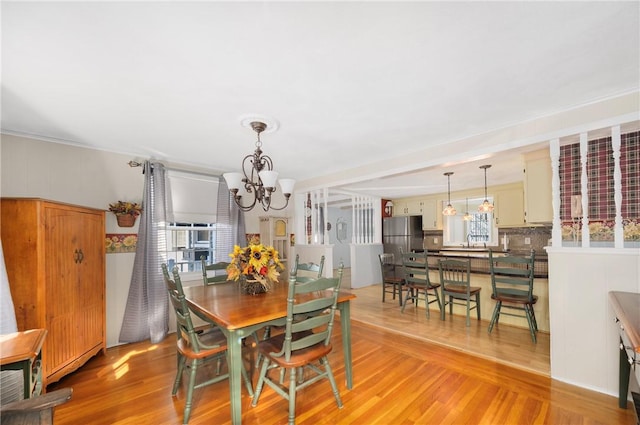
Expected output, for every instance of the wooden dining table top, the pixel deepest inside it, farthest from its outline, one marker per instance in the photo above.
(227, 305)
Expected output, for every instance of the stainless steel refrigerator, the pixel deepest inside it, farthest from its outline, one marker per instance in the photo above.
(402, 234)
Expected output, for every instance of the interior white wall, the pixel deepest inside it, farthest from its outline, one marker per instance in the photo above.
(366, 267)
(341, 250)
(87, 177)
(584, 336)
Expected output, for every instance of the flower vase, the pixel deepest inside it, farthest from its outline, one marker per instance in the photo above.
(126, 220)
(252, 286)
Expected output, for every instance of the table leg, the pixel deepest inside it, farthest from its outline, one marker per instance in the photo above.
(234, 345)
(345, 322)
(625, 370)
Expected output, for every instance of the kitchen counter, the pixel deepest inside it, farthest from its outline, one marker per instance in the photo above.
(480, 260)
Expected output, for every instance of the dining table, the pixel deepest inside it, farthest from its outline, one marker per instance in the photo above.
(240, 315)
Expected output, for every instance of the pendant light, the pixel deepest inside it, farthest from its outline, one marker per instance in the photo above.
(486, 206)
(449, 210)
(467, 216)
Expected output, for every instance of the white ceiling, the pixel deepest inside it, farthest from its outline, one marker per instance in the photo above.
(350, 83)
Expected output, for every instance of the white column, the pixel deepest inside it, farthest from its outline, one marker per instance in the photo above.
(617, 186)
(584, 190)
(325, 227)
(556, 232)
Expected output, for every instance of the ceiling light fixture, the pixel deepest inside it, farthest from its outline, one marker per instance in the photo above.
(449, 210)
(467, 216)
(486, 206)
(259, 178)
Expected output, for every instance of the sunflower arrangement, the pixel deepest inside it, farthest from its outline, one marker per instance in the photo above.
(258, 266)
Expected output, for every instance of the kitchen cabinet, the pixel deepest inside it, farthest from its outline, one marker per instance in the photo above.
(509, 207)
(431, 216)
(537, 189)
(55, 261)
(410, 207)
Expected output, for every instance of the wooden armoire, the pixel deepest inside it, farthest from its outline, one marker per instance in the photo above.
(55, 260)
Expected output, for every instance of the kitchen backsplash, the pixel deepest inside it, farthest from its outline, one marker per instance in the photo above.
(537, 238)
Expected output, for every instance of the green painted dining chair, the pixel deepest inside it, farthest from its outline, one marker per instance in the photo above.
(391, 282)
(194, 349)
(415, 267)
(512, 289)
(456, 289)
(213, 273)
(305, 343)
(307, 271)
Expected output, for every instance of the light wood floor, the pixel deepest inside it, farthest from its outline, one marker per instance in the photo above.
(397, 380)
(506, 344)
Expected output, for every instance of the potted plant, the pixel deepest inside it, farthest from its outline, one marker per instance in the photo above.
(257, 267)
(126, 212)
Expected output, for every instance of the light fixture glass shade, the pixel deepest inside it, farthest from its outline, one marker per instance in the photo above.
(269, 178)
(234, 180)
(467, 216)
(485, 207)
(449, 210)
(287, 185)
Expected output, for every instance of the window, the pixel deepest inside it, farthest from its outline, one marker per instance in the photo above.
(192, 230)
(475, 232)
(187, 243)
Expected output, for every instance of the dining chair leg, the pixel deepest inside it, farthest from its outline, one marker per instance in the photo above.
(332, 380)
(478, 305)
(260, 384)
(532, 330)
(496, 315)
(406, 299)
(468, 311)
(426, 300)
(190, 387)
(293, 379)
(533, 316)
(181, 362)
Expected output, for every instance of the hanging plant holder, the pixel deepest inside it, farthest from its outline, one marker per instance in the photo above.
(126, 220)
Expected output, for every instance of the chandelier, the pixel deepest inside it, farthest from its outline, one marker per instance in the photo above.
(258, 178)
(486, 206)
(449, 210)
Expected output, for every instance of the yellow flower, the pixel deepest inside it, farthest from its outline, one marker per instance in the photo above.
(257, 262)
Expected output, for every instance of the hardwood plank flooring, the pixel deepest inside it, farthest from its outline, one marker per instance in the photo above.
(510, 345)
(397, 380)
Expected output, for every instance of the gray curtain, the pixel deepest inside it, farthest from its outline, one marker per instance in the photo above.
(229, 224)
(146, 314)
